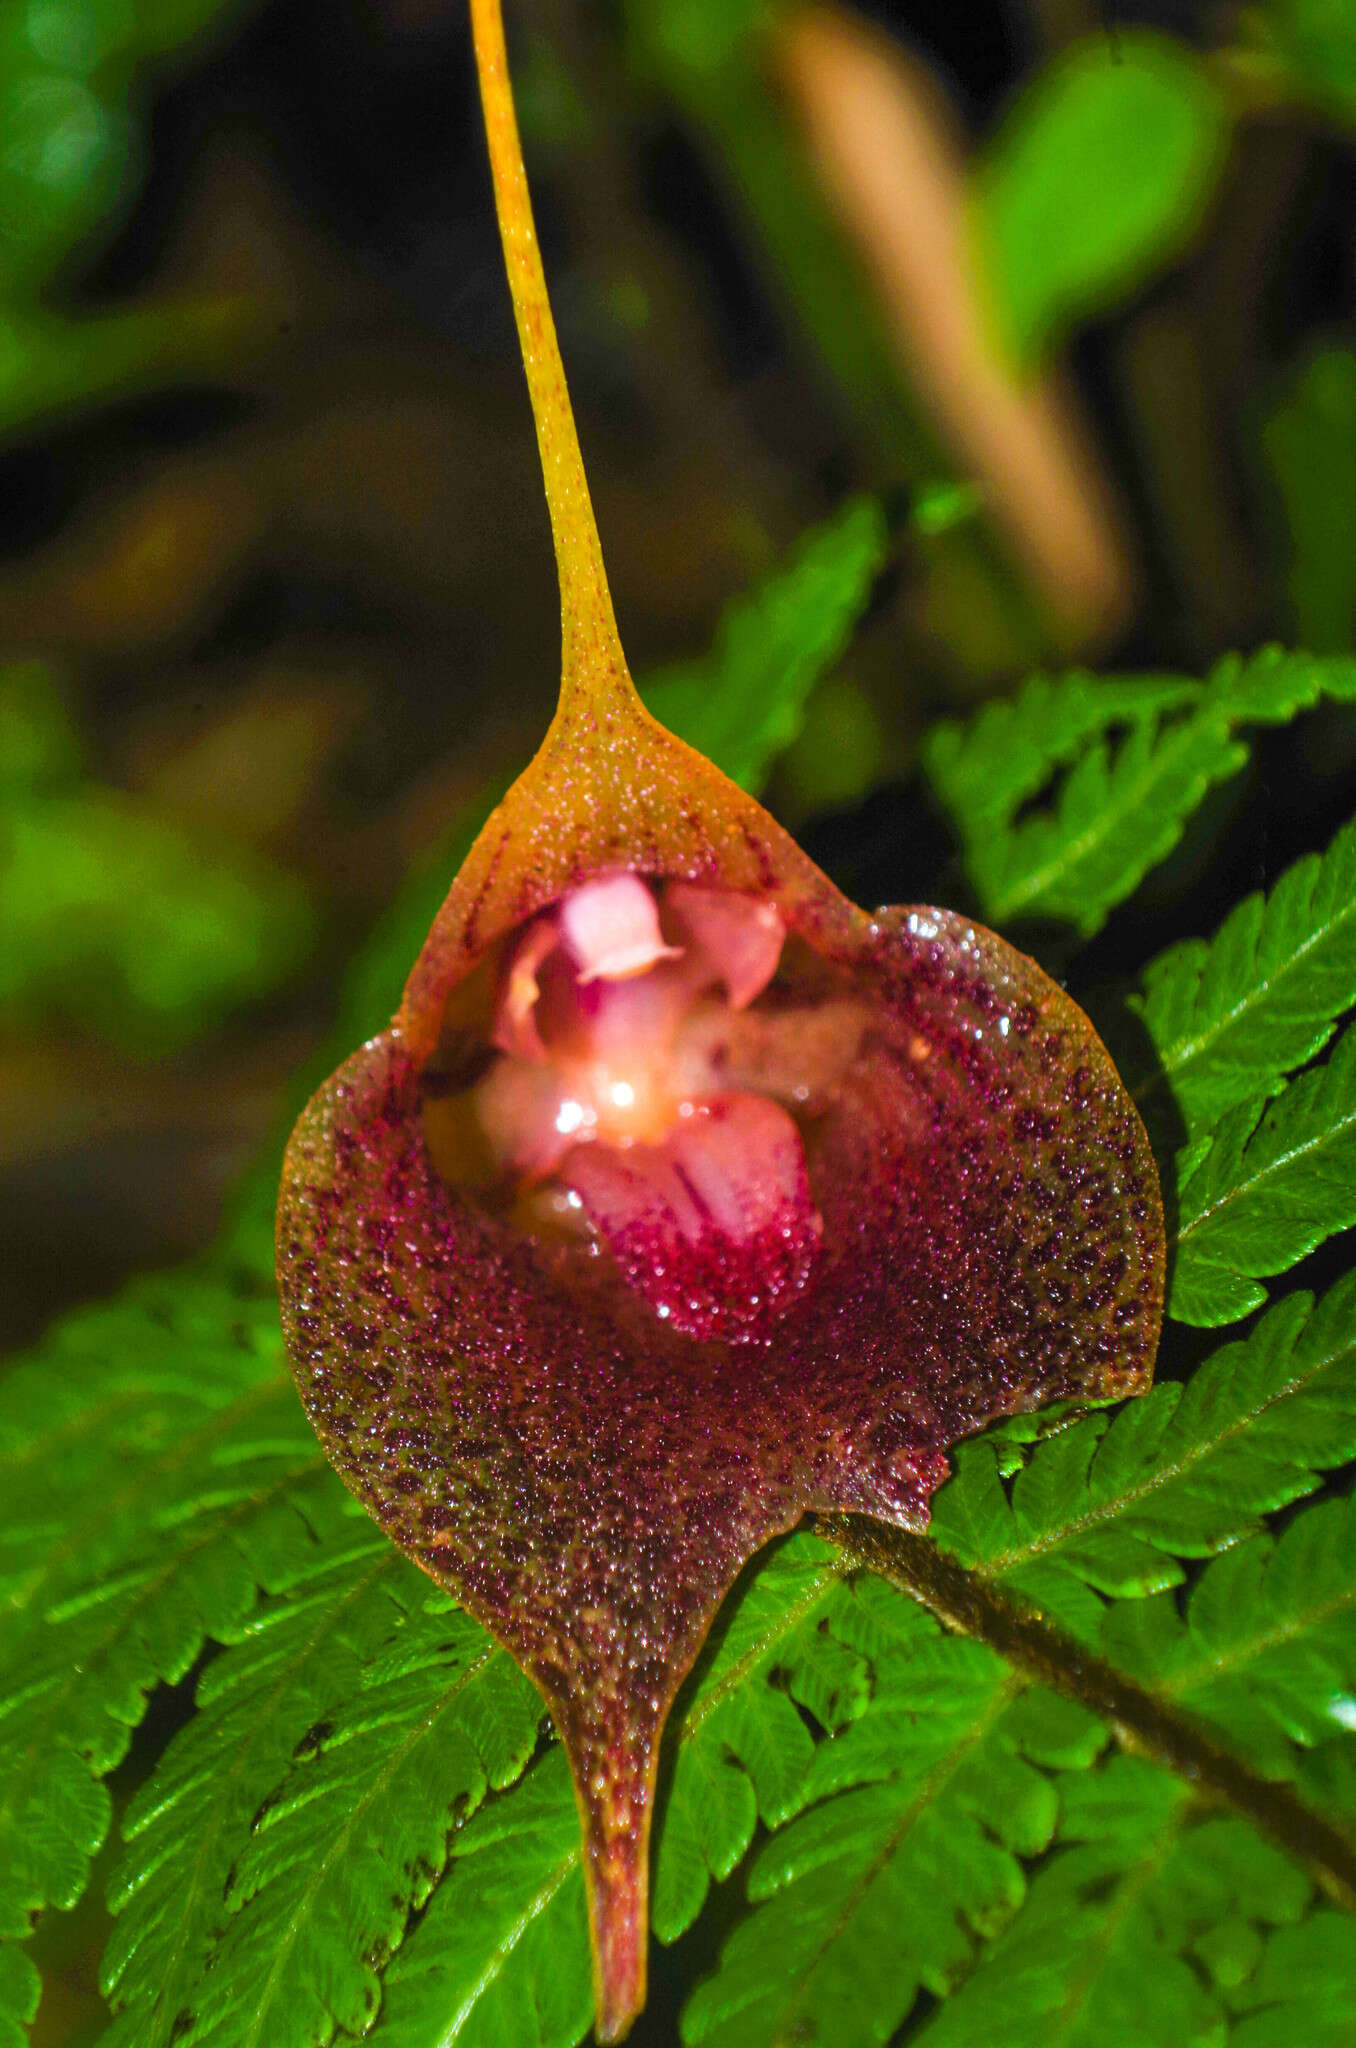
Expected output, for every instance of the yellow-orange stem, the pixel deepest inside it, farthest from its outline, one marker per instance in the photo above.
(592, 665)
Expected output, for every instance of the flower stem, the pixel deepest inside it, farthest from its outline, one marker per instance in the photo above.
(1141, 1720)
(592, 665)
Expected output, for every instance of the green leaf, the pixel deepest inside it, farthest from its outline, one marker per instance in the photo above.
(120, 920)
(1304, 1988)
(51, 366)
(1142, 1903)
(155, 1468)
(1099, 175)
(908, 1849)
(504, 1939)
(1114, 1502)
(39, 747)
(1122, 805)
(864, 1661)
(988, 768)
(742, 1749)
(1266, 1193)
(1309, 445)
(334, 1745)
(68, 161)
(1228, 1018)
(1319, 39)
(20, 1993)
(743, 704)
(253, 1706)
(341, 1696)
(1266, 1648)
(502, 1955)
(349, 1837)
(867, 1895)
(1150, 1914)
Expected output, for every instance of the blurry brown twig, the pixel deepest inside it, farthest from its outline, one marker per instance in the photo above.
(888, 152)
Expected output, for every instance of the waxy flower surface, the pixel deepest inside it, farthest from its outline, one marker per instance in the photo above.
(683, 1198)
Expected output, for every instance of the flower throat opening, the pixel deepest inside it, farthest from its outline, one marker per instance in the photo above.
(646, 1091)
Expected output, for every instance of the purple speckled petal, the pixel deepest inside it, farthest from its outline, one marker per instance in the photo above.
(588, 1481)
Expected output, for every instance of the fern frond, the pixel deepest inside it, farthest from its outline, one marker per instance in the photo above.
(1260, 1418)
(155, 1469)
(1303, 1989)
(1113, 1504)
(297, 1655)
(1122, 806)
(1266, 1649)
(866, 1897)
(743, 703)
(908, 1848)
(1110, 1504)
(1229, 1017)
(353, 1834)
(742, 1749)
(292, 1825)
(502, 1954)
(20, 1993)
(1135, 1929)
(908, 1853)
(1150, 1924)
(986, 768)
(1267, 1190)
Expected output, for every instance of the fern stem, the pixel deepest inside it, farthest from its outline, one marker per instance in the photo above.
(592, 665)
(1141, 1720)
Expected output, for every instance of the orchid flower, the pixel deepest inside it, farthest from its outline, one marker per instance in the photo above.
(682, 1199)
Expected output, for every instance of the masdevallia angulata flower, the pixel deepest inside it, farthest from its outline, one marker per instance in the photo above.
(682, 1198)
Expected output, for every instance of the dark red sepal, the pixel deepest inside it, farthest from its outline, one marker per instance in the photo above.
(586, 1480)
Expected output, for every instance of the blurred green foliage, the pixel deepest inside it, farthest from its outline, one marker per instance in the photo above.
(69, 104)
(1318, 38)
(116, 919)
(1309, 441)
(73, 76)
(838, 753)
(705, 56)
(1100, 173)
(50, 364)
(744, 703)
